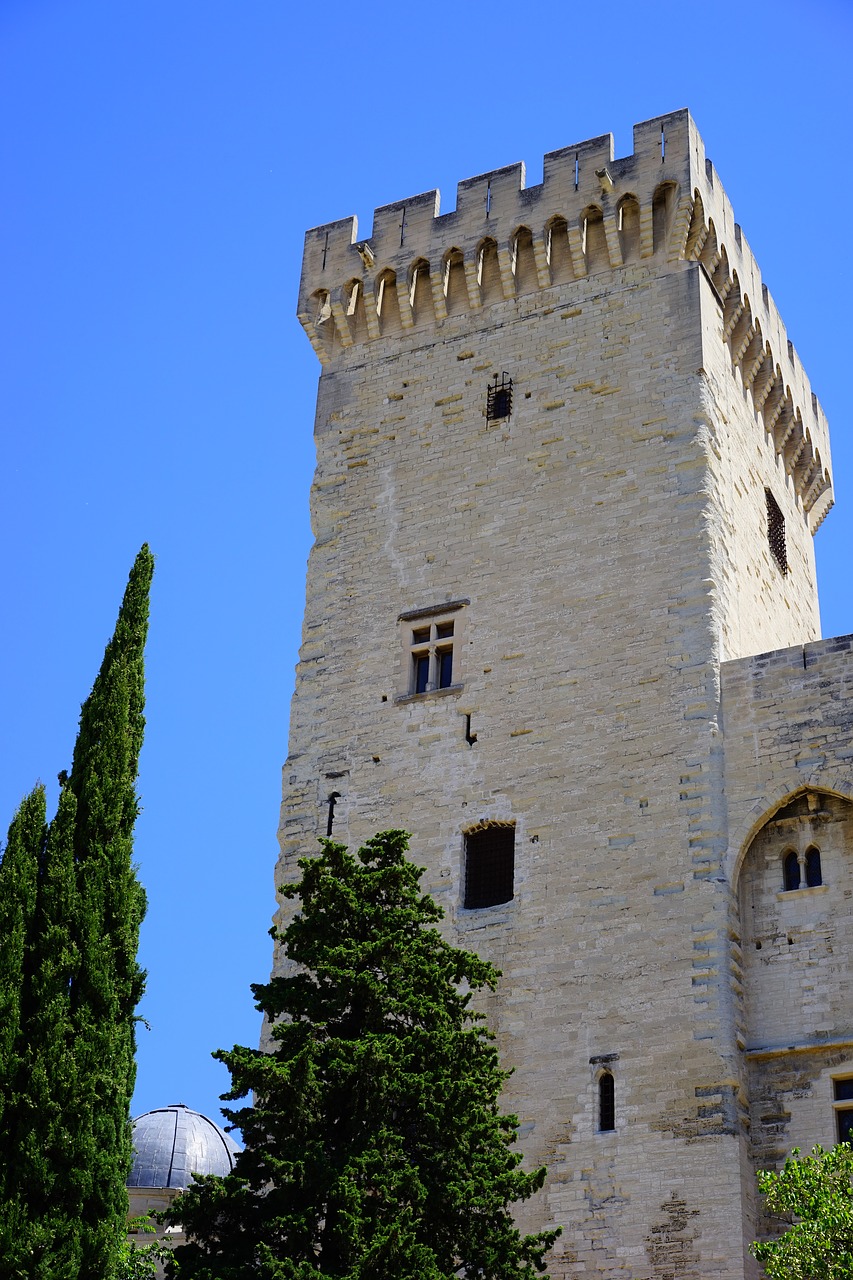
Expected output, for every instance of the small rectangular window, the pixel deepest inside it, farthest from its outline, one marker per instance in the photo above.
(432, 648)
(489, 865)
(843, 1093)
(776, 532)
(499, 398)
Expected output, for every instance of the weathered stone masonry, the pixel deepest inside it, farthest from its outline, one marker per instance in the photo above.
(596, 568)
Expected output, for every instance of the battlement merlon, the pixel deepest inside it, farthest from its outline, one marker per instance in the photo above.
(578, 181)
(495, 204)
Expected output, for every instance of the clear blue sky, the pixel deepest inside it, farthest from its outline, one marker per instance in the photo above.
(159, 164)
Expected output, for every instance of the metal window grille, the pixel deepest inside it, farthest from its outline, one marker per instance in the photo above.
(606, 1103)
(489, 866)
(499, 398)
(776, 532)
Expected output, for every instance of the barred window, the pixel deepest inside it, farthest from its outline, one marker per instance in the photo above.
(499, 398)
(776, 532)
(489, 864)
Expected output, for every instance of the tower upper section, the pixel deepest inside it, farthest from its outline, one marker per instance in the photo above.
(660, 209)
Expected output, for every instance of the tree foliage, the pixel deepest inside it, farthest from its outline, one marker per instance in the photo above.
(813, 1195)
(375, 1147)
(70, 910)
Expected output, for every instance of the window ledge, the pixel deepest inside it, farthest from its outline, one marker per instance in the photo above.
(431, 693)
(805, 891)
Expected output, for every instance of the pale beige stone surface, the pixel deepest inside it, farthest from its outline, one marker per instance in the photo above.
(606, 555)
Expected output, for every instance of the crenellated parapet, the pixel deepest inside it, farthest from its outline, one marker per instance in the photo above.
(768, 365)
(662, 206)
(590, 213)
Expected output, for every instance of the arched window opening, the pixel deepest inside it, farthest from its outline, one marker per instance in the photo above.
(594, 240)
(489, 272)
(628, 223)
(324, 322)
(710, 253)
(721, 273)
(524, 262)
(663, 206)
(387, 304)
(606, 1103)
(324, 307)
(791, 871)
(455, 289)
(558, 251)
(420, 292)
(354, 294)
(814, 876)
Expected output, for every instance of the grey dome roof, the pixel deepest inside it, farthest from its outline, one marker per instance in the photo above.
(171, 1144)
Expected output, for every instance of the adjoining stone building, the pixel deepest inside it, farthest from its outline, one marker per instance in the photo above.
(562, 624)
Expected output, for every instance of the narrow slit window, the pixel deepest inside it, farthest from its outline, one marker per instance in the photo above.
(606, 1103)
(499, 398)
(776, 532)
(489, 865)
(813, 871)
(791, 871)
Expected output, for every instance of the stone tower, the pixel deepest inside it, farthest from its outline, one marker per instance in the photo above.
(569, 467)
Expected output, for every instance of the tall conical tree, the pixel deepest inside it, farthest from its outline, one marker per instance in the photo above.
(109, 982)
(67, 1070)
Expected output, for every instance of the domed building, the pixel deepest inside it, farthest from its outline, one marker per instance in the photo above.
(170, 1144)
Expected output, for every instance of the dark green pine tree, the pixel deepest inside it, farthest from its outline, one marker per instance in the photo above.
(376, 1148)
(67, 1070)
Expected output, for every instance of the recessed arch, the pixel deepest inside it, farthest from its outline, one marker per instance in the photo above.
(557, 249)
(524, 261)
(821, 782)
(387, 303)
(489, 271)
(453, 281)
(593, 239)
(663, 212)
(353, 300)
(420, 292)
(628, 227)
(794, 899)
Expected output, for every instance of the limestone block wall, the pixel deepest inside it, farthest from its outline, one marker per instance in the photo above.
(597, 550)
(787, 720)
(574, 532)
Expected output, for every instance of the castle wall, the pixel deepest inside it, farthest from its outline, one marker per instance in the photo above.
(597, 552)
(787, 719)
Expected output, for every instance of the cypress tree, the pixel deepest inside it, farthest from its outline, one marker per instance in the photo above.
(375, 1147)
(67, 1063)
(111, 905)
